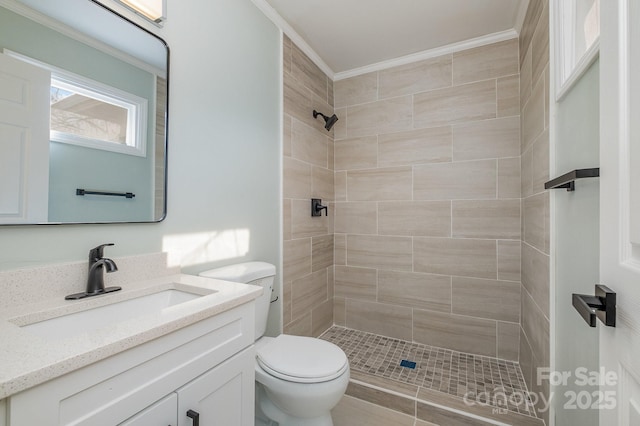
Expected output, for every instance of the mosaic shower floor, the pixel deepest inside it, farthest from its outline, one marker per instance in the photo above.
(482, 379)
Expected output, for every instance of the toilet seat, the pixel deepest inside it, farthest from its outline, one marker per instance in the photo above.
(302, 359)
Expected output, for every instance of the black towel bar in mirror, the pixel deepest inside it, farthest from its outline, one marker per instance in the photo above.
(567, 180)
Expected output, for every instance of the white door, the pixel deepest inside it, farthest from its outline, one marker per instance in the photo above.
(24, 142)
(620, 206)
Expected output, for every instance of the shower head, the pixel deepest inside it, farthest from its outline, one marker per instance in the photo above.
(329, 121)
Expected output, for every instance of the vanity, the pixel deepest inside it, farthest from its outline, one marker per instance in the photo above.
(170, 350)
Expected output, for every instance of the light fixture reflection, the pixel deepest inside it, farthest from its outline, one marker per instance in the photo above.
(153, 10)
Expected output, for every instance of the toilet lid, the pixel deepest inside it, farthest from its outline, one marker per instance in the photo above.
(302, 359)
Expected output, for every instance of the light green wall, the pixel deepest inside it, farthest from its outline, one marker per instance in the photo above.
(577, 239)
(224, 151)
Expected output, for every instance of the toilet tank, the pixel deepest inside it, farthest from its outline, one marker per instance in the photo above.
(254, 273)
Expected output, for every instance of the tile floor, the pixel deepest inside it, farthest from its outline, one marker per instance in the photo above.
(479, 378)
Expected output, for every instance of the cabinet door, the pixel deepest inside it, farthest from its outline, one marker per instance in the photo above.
(162, 413)
(223, 396)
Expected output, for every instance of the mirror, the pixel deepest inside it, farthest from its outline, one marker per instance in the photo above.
(83, 115)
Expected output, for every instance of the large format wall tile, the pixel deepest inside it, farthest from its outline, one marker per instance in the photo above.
(460, 333)
(415, 77)
(370, 251)
(385, 116)
(455, 181)
(356, 218)
(489, 299)
(484, 62)
(297, 259)
(356, 90)
(308, 144)
(379, 318)
(356, 153)
(415, 147)
(308, 292)
(355, 283)
(457, 104)
(508, 97)
(393, 183)
(415, 218)
(535, 276)
(487, 139)
(423, 291)
(498, 219)
(462, 257)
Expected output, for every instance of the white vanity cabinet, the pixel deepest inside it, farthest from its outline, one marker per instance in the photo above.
(207, 367)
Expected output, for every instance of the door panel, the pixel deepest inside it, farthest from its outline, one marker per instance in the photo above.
(24, 142)
(620, 205)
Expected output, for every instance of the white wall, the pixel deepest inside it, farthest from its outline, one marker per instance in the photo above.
(224, 197)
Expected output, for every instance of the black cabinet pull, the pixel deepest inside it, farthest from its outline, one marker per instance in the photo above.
(195, 416)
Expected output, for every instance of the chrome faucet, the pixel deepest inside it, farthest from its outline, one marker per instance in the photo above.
(95, 280)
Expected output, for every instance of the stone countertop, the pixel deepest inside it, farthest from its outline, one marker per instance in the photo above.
(27, 359)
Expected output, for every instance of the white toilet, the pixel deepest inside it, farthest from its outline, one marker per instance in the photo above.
(298, 379)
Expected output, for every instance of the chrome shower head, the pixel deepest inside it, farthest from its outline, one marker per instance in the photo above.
(329, 121)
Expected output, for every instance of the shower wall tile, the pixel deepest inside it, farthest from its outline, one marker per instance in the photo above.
(540, 45)
(297, 178)
(487, 139)
(308, 172)
(535, 276)
(309, 145)
(526, 167)
(457, 104)
(371, 251)
(455, 256)
(489, 299)
(415, 147)
(525, 79)
(458, 180)
(340, 249)
(422, 291)
(534, 220)
(414, 218)
(356, 217)
(303, 224)
(508, 340)
(532, 18)
(308, 292)
(306, 72)
(495, 219)
(340, 186)
(297, 259)
(300, 101)
(385, 116)
(356, 153)
(393, 183)
(540, 162)
(322, 252)
(460, 333)
(509, 260)
(321, 317)
(508, 96)
(535, 324)
(509, 177)
(429, 74)
(356, 283)
(533, 115)
(287, 135)
(485, 62)
(388, 320)
(322, 184)
(356, 90)
(427, 160)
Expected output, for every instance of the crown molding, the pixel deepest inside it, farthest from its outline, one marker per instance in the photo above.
(287, 29)
(430, 53)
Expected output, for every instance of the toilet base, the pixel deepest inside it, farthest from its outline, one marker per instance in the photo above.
(266, 408)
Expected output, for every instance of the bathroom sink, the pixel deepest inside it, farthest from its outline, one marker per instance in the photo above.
(104, 316)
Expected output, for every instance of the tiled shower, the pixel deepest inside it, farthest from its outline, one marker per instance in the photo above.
(432, 178)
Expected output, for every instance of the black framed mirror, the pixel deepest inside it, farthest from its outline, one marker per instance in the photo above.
(83, 115)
